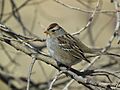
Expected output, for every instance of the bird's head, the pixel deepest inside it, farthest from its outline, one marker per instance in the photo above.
(55, 30)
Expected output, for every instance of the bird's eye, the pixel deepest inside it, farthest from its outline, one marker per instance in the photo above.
(53, 30)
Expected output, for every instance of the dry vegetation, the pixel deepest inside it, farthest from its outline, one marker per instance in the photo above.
(24, 61)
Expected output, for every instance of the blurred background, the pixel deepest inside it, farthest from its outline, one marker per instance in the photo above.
(34, 16)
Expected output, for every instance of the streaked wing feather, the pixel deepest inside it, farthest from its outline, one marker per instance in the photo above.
(69, 44)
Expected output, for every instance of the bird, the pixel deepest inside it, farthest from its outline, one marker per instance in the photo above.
(65, 48)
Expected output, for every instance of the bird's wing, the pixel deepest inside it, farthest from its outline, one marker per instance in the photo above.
(69, 44)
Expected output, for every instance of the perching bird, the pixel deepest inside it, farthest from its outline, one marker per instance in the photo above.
(65, 48)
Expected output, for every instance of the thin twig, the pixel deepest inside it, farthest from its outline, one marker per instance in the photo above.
(84, 11)
(2, 9)
(53, 81)
(90, 19)
(30, 71)
(117, 27)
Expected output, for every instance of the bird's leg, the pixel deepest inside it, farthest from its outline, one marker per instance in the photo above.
(65, 68)
(60, 65)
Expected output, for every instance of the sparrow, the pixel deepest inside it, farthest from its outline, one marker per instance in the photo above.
(67, 49)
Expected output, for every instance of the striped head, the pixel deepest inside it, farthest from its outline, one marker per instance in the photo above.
(55, 30)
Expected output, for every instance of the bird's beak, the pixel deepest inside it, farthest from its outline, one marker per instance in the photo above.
(46, 32)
